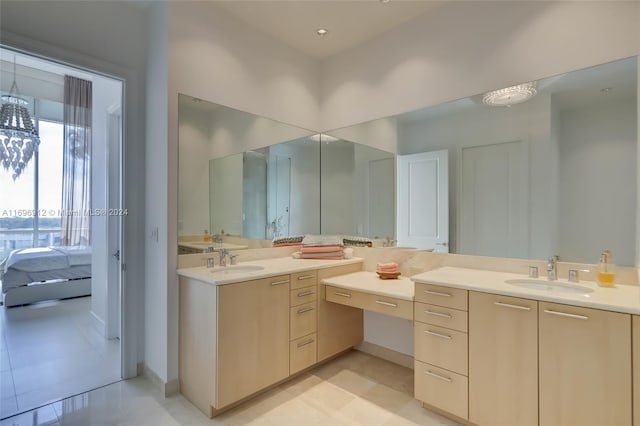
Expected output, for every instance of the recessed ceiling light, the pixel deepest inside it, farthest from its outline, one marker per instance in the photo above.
(322, 31)
(385, 1)
(606, 89)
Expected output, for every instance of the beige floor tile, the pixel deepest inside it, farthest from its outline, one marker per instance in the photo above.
(363, 412)
(327, 397)
(387, 398)
(415, 413)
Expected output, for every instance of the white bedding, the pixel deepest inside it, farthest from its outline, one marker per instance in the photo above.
(25, 266)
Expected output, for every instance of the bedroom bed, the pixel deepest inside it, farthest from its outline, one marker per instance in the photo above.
(43, 273)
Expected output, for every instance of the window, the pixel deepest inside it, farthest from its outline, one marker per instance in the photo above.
(37, 190)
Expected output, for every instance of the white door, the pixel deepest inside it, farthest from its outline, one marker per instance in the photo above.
(423, 200)
(494, 203)
(114, 224)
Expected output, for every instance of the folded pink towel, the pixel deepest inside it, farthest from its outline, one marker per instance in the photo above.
(387, 265)
(320, 249)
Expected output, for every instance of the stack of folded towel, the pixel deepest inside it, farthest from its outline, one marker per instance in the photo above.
(322, 247)
(287, 241)
(387, 270)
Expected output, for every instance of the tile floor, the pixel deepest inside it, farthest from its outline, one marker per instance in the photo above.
(51, 350)
(355, 389)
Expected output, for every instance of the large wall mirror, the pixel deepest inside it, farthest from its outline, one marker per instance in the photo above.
(556, 174)
(247, 176)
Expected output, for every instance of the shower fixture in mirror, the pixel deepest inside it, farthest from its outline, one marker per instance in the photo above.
(556, 174)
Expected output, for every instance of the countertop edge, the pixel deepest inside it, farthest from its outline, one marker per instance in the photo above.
(198, 273)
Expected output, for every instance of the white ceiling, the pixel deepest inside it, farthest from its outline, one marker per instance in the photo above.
(350, 22)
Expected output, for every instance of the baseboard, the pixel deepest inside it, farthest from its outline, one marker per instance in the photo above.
(99, 324)
(386, 354)
(167, 389)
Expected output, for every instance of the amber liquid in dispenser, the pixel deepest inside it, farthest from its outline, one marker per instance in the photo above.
(606, 275)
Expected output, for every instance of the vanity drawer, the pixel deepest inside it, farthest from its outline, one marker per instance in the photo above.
(370, 302)
(302, 353)
(442, 347)
(302, 320)
(442, 296)
(302, 295)
(443, 317)
(442, 389)
(304, 279)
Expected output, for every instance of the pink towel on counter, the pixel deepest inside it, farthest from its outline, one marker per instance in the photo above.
(388, 268)
(320, 249)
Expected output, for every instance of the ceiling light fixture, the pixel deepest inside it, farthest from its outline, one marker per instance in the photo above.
(321, 137)
(510, 95)
(322, 31)
(18, 135)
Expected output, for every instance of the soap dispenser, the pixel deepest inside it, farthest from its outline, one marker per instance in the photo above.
(606, 273)
(205, 236)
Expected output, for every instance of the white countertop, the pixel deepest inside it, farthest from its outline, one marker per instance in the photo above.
(272, 267)
(368, 282)
(620, 298)
(201, 245)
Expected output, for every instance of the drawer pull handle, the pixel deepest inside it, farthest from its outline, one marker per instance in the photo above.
(342, 294)
(433, 333)
(302, 311)
(437, 376)
(437, 314)
(437, 293)
(380, 302)
(304, 277)
(306, 293)
(280, 282)
(308, 342)
(564, 314)
(508, 305)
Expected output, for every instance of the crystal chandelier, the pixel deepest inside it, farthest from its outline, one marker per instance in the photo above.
(510, 95)
(18, 135)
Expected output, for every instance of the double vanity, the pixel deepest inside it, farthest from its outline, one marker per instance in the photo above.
(491, 348)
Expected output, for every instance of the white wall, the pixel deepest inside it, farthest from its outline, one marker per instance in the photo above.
(337, 201)
(157, 179)
(598, 150)
(226, 192)
(193, 170)
(59, 29)
(460, 49)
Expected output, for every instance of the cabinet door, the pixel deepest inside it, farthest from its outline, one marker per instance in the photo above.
(503, 360)
(636, 370)
(253, 337)
(585, 366)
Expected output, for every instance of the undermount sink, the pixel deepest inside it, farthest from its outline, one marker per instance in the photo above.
(239, 269)
(552, 286)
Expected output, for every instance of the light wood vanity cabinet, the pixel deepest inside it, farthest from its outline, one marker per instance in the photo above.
(441, 348)
(503, 360)
(253, 337)
(585, 366)
(303, 321)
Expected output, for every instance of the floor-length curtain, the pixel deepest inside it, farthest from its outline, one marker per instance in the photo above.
(76, 169)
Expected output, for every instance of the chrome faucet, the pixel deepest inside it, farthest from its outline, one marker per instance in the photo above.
(223, 257)
(552, 267)
(210, 263)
